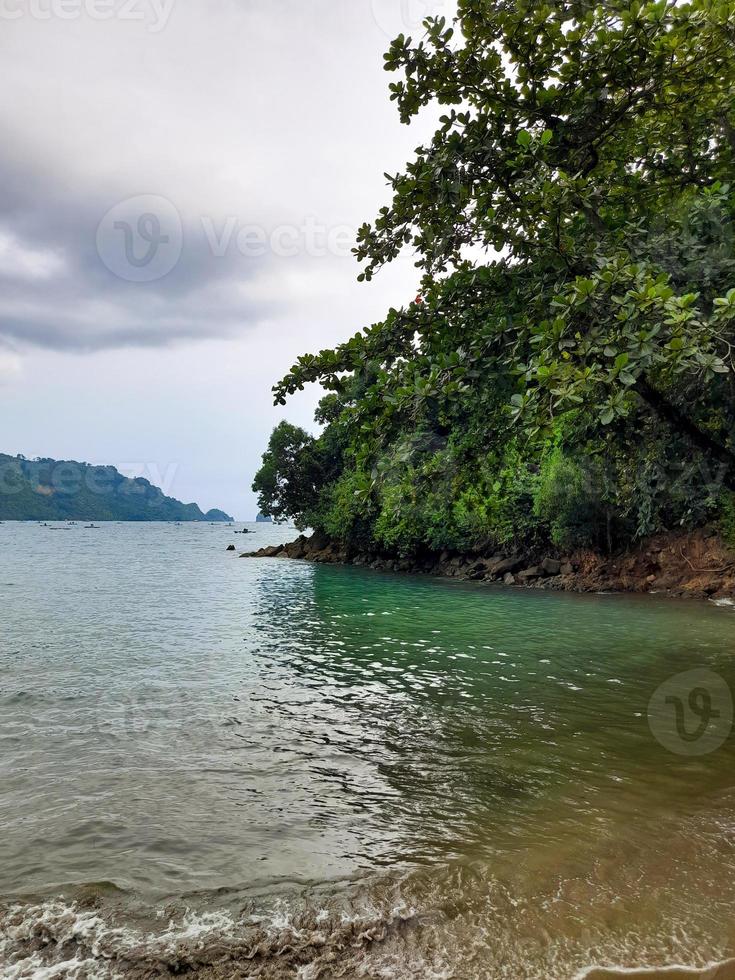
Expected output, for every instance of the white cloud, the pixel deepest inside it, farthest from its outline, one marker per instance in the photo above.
(20, 262)
(11, 367)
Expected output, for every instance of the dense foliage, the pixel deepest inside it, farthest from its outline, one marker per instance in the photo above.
(575, 384)
(55, 490)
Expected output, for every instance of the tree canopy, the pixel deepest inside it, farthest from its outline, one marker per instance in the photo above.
(572, 218)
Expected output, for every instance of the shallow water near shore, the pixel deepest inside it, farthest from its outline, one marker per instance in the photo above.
(236, 768)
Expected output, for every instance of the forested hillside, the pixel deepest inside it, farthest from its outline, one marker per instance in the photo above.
(574, 386)
(53, 490)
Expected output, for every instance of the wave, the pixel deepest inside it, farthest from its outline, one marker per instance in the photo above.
(466, 927)
(57, 939)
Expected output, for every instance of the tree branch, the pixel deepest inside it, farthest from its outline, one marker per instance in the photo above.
(729, 132)
(699, 438)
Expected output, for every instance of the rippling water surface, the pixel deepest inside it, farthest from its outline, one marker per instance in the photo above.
(235, 768)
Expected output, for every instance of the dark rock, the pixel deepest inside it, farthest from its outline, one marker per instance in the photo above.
(318, 541)
(327, 556)
(270, 552)
(297, 549)
(507, 565)
(231, 547)
(551, 566)
(478, 570)
(535, 571)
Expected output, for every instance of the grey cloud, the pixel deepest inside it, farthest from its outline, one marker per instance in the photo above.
(265, 113)
(57, 292)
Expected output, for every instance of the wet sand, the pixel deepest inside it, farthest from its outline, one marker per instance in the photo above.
(716, 971)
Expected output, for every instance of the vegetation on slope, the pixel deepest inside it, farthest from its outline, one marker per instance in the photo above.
(575, 386)
(55, 490)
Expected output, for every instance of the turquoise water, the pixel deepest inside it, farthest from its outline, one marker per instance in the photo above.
(478, 774)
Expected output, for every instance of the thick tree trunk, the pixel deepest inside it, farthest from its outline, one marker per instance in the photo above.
(699, 438)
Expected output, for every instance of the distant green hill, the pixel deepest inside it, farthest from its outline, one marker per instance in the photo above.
(59, 490)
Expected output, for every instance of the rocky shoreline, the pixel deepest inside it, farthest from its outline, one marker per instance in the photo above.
(696, 565)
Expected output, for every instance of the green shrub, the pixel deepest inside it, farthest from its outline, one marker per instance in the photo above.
(571, 497)
(349, 512)
(726, 522)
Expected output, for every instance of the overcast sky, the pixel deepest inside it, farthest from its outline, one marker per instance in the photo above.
(180, 184)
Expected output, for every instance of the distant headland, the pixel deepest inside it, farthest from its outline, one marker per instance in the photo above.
(59, 490)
